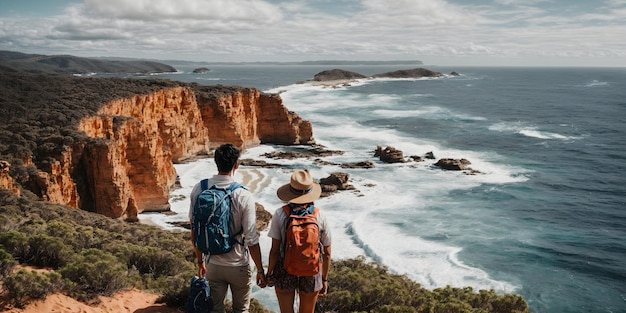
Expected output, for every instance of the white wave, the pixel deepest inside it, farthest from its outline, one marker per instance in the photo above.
(166, 73)
(596, 83)
(530, 131)
(85, 74)
(432, 265)
(383, 99)
(406, 113)
(208, 78)
(300, 87)
(542, 135)
(340, 87)
(430, 112)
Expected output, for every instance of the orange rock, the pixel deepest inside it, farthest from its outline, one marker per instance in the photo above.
(249, 117)
(126, 165)
(6, 181)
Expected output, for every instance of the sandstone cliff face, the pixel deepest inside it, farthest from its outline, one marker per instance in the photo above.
(55, 183)
(6, 181)
(126, 166)
(248, 117)
(130, 169)
(278, 125)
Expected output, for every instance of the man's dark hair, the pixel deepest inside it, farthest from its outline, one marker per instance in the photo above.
(226, 156)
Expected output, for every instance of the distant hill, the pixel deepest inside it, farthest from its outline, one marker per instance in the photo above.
(67, 64)
(317, 62)
(411, 73)
(350, 62)
(336, 74)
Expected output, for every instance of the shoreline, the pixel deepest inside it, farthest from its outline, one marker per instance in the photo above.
(331, 83)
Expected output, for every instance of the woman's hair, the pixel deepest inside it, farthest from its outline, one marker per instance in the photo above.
(226, 156)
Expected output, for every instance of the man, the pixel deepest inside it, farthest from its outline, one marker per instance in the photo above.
(231, 269)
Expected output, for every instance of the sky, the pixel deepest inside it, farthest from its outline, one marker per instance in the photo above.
(436, 32)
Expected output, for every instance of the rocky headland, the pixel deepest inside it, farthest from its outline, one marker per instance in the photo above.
(109, 145)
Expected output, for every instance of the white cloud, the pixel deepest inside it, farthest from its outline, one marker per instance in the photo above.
(615, 3)
(520, 2)
(409, 12)
(252, 11)
(248, 30)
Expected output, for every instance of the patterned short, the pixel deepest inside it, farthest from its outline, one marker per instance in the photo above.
(284, 280)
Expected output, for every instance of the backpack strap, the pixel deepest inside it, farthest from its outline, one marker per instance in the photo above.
(287, 210)
(204, 184)
(233, 186)
(283, 242)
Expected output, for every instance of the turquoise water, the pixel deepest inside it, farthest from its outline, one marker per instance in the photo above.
(545, 217)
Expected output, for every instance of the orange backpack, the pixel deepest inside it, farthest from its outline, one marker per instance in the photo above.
(302, 246)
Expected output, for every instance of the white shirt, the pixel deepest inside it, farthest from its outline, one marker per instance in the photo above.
(243, 212)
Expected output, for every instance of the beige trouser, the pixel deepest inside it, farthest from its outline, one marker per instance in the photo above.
(239, 280)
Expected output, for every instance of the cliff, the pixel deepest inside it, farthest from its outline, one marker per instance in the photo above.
(131, 170)
(122, 163)
(6, 181)
(246, 117)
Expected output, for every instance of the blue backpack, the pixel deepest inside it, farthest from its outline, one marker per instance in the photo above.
(211, 219)
(200, 300)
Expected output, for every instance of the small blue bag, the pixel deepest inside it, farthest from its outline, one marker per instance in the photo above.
(200, 300)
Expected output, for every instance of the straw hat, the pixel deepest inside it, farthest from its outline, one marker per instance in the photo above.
(301, 188)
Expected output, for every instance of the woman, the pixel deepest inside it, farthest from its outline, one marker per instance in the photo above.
(299, 195)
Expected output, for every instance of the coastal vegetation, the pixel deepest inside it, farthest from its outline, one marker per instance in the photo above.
(87, 255)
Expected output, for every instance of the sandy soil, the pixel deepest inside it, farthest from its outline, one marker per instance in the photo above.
(127, 301)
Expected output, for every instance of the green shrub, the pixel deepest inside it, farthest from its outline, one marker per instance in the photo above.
(6, 223)
(7, 264)
(15, 243)
(95, 272)
(24, 286)
(153, 261)
(33, 226)
(60, 229)
(509, 303)
(77, 237)
(357, 286)
(89, 237)
(46, 251)
(175, 291)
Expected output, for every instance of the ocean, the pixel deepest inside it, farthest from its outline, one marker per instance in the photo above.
(544, 217)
